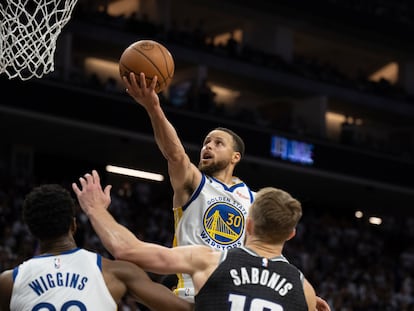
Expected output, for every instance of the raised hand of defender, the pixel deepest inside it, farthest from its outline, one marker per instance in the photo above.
(90, 195)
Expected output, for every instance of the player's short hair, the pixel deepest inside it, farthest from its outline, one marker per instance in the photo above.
(238, 141)
(275, 214)
(48, 211)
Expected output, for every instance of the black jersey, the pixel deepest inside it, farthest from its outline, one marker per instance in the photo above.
(244, 281)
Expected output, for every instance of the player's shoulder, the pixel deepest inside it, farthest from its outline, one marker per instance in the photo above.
(6, 275)
(6, 285)
(237, 180)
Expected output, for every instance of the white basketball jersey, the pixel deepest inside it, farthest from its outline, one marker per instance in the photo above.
(69, 281)
(215, 216)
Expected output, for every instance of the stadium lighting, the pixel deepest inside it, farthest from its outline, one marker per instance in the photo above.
(359, 214)
(375, 220)
(134, 173)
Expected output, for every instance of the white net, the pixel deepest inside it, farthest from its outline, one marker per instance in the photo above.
(28, 33)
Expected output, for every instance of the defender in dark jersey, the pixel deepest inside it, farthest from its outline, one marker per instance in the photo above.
(255, 276)
(247, 281)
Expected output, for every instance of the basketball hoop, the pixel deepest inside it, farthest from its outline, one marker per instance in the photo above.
(28, 33)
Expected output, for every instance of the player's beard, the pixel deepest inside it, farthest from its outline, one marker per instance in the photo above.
(213, 168)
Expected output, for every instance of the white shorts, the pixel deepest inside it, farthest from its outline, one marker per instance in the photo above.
(185, 293)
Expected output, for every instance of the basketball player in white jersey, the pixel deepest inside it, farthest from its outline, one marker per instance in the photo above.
(210, 204)
(255, 276)
(65, 277)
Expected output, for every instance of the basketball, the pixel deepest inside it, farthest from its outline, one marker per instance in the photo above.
(151, 58)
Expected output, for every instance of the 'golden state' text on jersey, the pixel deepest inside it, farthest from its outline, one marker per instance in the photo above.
(71, 280)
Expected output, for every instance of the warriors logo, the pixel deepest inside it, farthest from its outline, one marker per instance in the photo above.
(223, 224)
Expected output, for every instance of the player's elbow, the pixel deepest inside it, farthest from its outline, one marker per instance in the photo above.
(177, 158)
(119, 254)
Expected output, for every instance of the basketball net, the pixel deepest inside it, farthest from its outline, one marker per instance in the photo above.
(28, 33)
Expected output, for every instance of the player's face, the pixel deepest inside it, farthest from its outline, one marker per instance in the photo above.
(217, 152)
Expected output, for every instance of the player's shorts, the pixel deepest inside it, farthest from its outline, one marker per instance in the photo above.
(185, 293)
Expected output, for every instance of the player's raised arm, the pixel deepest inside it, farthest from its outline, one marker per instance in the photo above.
(123, 244)
(183, 174)
(94, 201)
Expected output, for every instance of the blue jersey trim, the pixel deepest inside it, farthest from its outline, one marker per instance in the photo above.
(231, 188)
(196, 193)
(99, 261)
(234, 187)
(62, 253)
(15, 273)
(251, 195)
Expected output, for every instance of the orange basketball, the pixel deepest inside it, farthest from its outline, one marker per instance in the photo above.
(151, 58)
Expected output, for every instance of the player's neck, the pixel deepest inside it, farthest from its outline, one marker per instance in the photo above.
(265, 249)
(223, 174)
(227, 179)
(57, 246)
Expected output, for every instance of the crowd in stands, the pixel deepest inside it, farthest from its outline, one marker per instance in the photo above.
(354, 265)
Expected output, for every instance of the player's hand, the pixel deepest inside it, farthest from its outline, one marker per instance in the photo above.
(321, 304)
(140, 91)
(90, 195)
